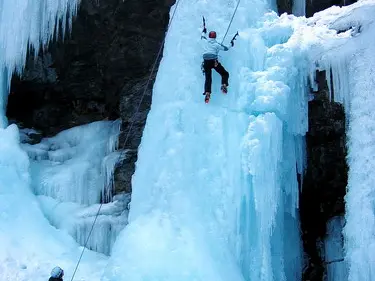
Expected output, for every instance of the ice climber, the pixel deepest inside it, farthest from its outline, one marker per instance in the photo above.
(56, 274)
(210, 61)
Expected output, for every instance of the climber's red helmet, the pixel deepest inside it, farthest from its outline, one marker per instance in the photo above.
(212, 34)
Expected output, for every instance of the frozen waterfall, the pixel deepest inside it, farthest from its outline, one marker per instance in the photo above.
(215, 192)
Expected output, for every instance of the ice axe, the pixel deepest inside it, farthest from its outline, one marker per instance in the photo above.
(204, 26)
(234, 38)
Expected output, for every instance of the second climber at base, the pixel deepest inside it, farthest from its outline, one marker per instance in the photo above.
(57, 274)
(210, 61)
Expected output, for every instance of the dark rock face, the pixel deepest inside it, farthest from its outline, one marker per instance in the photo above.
(320, 5)
(98, 72)
(134, 107)
(286, 6)
(325, 181)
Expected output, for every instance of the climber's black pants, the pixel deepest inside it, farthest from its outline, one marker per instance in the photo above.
(208, 65)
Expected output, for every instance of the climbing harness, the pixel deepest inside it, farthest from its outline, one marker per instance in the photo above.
(128, 133)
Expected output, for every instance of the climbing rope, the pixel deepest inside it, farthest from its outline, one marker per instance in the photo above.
(128, 134)
(231, 20)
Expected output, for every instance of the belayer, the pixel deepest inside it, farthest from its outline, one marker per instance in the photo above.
(210, 61)
(56, 274)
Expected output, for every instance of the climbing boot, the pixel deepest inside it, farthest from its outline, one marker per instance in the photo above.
(207, 97)
(224, 89)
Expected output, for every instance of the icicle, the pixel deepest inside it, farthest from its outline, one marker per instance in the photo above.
(289, 178)
(299, 7)
(340, 82)
(77, 220)
(301, 154)
(312, 78)
(337, 76)
(24, 25)
(113, 140)
(107, 171)
(3, 96)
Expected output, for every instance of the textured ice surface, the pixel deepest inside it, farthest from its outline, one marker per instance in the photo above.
(360, 198)
(73, 172)
(30, 246)
(77, 220)
(76, 165)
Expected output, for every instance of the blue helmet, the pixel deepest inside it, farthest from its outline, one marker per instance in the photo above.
(57, 272)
